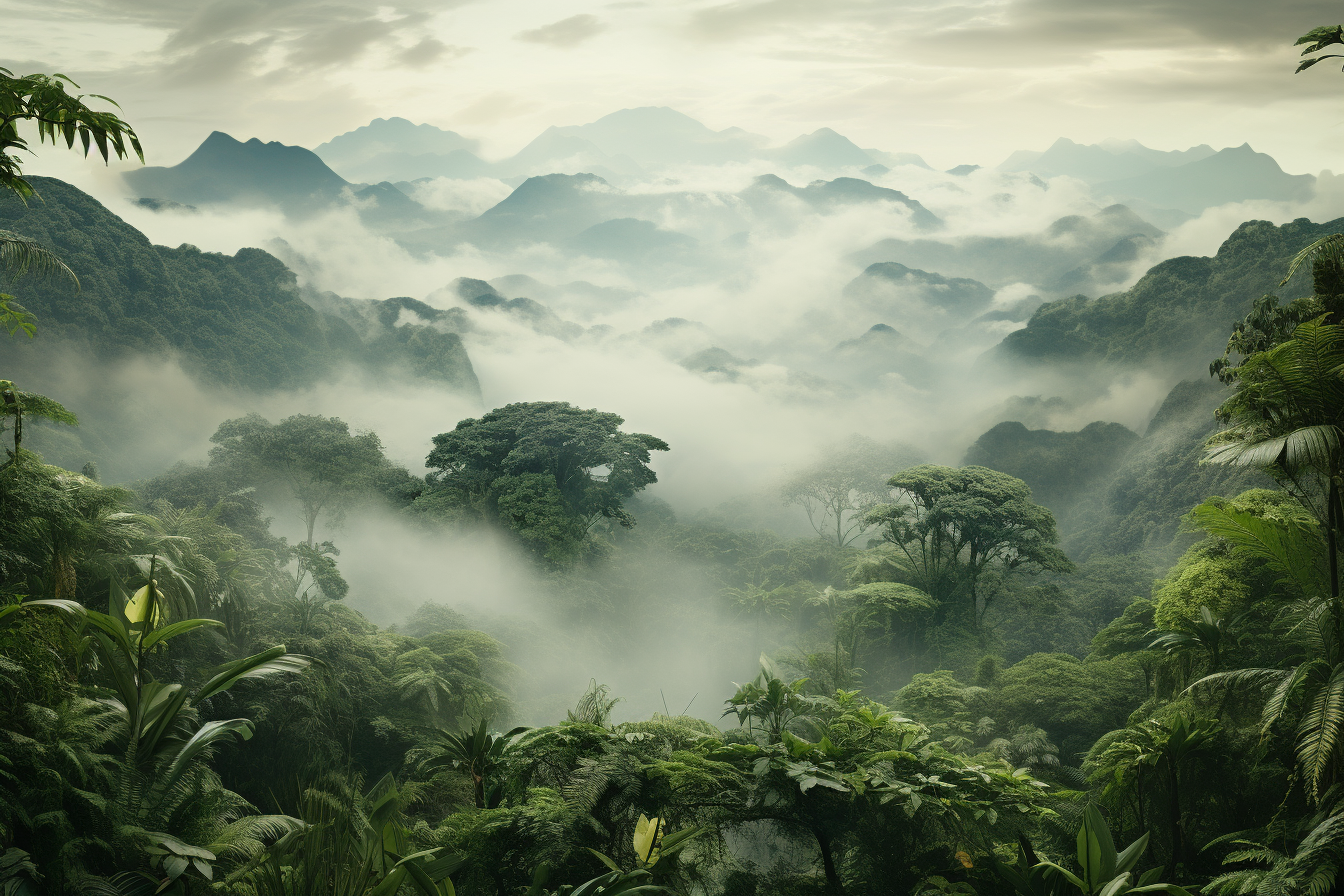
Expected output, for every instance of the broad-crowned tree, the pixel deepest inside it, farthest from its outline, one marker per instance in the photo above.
(321, 463)
(837, 491)
(546, 470)
(949, 526)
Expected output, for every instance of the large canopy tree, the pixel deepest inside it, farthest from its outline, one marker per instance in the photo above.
(838, 490)
(547, 470)
(318, 459)
(950, 526)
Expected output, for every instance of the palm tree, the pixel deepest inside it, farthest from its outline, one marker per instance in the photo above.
(1287, 417)
(351, 843)
(163, 743)
(419, 679)
(1299, 856)
(1309, 694)
(1210, 633)
(16, 404)
(58, 116)
(479, 753)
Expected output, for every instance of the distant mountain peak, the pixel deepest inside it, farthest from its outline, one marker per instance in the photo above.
(396, 148)
(824, 148)
(661, 115)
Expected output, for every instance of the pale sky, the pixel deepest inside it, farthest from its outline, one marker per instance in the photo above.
(958, 82)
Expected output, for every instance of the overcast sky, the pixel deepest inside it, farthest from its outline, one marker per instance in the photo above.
(959, 82)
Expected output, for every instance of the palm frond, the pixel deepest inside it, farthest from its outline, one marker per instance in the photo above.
(20, 255)
(1321, 728)
(1328, 248)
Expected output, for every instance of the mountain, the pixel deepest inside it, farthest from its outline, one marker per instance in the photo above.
(878, 351)
(628, 143)
(1187, 181)
(1060, 467)
(896, 159)
(561, 151)
(1159, 158)
(631, 240)
(1229, 175)
(1114, 492)
(659, 136)
(1178, 315)
(231, 320)
(547, 208)
(224, 170)
(1075, 253)
(899, 287)
(405, 166)
(824, 149)
(394, 149)
(827, 195)
(1112, 160)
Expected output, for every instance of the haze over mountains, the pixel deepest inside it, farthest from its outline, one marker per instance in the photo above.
(647, 227)
(1187, 181)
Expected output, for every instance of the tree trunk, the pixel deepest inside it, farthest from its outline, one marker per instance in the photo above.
(833, 884)
(1143, 812)
(1333, 522)
(1174, 816)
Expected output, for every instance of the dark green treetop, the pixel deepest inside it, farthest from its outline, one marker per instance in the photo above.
(950, 525)
(574, 461)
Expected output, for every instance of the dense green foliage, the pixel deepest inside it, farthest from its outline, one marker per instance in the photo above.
(546, 471)
(948, 701)
(230, 320)
(1177, 314)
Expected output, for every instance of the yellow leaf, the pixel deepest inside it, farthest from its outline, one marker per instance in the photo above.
(648, 834)
(138, 605)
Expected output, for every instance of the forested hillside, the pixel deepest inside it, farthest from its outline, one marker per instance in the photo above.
(231, 320)
(1178, 314)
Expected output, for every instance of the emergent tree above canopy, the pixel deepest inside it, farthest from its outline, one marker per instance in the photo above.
(543, 465)
(951, 525)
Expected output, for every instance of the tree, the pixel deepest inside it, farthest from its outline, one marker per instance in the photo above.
(1315, 863)
(1318, 39)
(321, 463)
(949, 526)
(1311, 692)
(1104, 870)
(1120, 763)
(872, 788)
(477, 752)
(1287, 417)
(43, 100)
(1209, 633)
(16, 404)
(547, 471)
(18, 256)
(878, 608)
(837, 492)
(770, 703)
(351, 844)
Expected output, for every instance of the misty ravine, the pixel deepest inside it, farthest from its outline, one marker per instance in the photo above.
(656, 508)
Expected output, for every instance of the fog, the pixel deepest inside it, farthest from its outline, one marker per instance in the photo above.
(748, 353)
